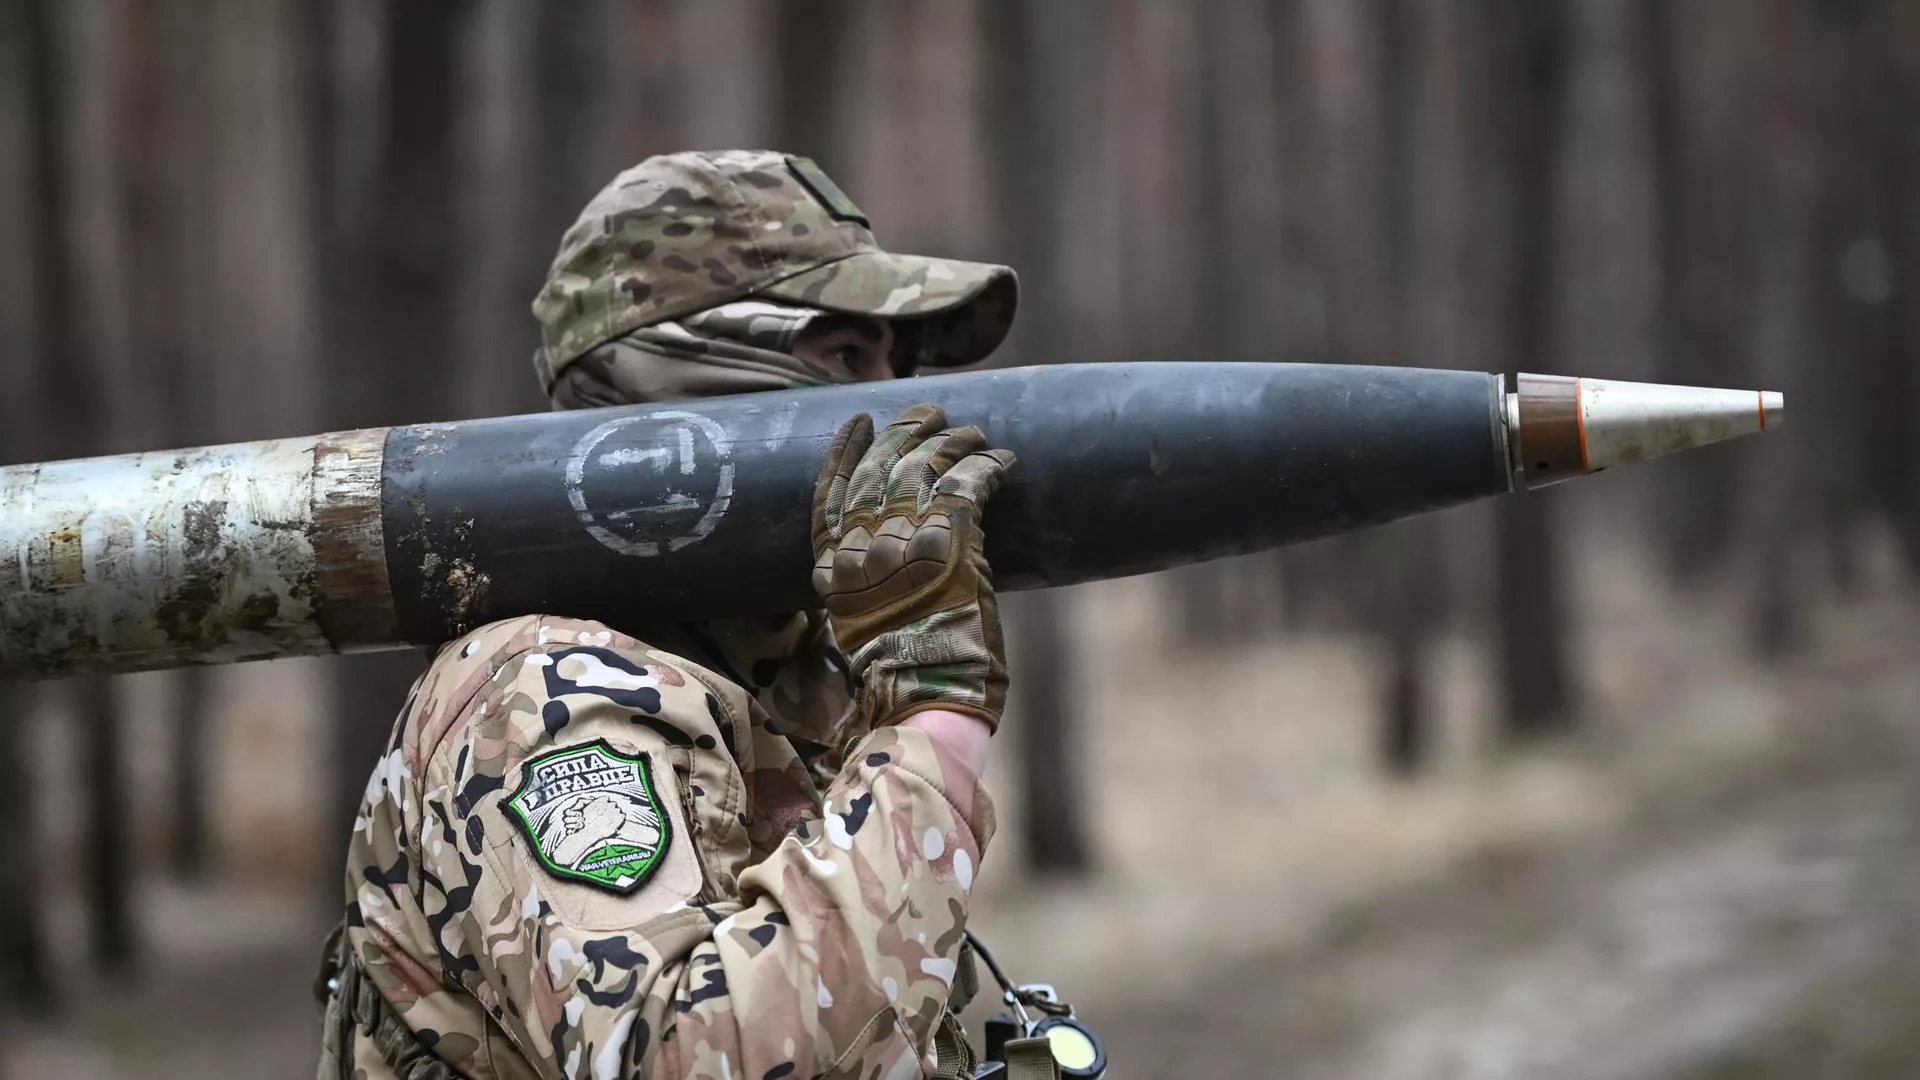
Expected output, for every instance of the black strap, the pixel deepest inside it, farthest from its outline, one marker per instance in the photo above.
(355, 1010)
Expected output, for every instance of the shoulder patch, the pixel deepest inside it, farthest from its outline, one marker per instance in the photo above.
(593, 814)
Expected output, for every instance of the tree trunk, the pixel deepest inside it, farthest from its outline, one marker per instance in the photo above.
(1847, 305)
(109, 851)
(1053, 825)
(1879, 266)
(409, 370)
(1363, 60)
(1024, 151)
(1531, 71)
(74, 396)
(158, 172)
(25, 982)
(387, 250)
(1205, 591)
(1897, 456)
(570, 76)
(415, 241)
(1701, 192)
(1406, 737)
(810, 40)
(1308, 572)
(1655, 59)
(1410, 554)
(1784, 328)
(190, 850)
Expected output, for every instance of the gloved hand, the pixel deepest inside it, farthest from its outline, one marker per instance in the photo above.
(898, 562)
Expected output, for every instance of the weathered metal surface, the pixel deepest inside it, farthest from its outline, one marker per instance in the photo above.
(1549, 409)
(1626, 422)
(157, 560)
(353, 604)
(701, 509)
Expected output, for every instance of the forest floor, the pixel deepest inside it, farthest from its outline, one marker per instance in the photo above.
(1718, 877)
(1754, 922)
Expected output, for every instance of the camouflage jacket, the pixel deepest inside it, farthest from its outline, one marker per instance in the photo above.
(587, 857)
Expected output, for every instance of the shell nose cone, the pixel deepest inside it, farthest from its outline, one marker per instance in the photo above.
(1626, 422)
(1773, 409)
(1564, 427)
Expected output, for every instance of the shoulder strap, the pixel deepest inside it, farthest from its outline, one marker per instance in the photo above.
(1031, 1059)
(951, 1048)
(356, 1010)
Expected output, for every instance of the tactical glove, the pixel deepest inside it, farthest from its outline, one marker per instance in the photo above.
(898, 562)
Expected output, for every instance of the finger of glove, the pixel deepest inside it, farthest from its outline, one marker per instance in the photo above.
(917, 472)
(829, 494)
(868, 487)
(976, 476)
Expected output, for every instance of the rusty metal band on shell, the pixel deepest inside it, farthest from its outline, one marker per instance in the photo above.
(1551, 448)
(354, 603)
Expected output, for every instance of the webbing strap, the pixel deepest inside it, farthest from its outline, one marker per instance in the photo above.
(356, 1009)
(955, 1054)
(1031, 1059)
(966, 979)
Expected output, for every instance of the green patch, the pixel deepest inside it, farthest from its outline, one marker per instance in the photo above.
(824, 189)
(593, 814)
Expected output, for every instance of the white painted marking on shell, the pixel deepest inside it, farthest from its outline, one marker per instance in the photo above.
(781, 426)
(657, 457)
(667, 439)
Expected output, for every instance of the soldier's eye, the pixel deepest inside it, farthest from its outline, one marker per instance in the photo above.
(849, 355)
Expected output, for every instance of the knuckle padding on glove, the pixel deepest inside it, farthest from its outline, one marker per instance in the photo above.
(890, 565)
(869, 570)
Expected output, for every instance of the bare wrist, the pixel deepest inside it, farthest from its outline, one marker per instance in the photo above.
(962, 734)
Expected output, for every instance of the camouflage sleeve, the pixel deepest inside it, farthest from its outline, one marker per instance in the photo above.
(844, 958)
(795, 673)
(581, 828)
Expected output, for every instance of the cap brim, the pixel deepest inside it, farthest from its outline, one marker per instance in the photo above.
(968, 306)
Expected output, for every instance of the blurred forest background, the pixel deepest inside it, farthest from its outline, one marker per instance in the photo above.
(1613, 780)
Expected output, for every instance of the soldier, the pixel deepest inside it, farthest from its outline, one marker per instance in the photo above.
(718, 850)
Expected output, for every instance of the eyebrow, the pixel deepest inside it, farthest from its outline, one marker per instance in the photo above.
(870, 329)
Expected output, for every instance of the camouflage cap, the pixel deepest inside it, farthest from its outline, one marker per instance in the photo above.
(680, 233)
